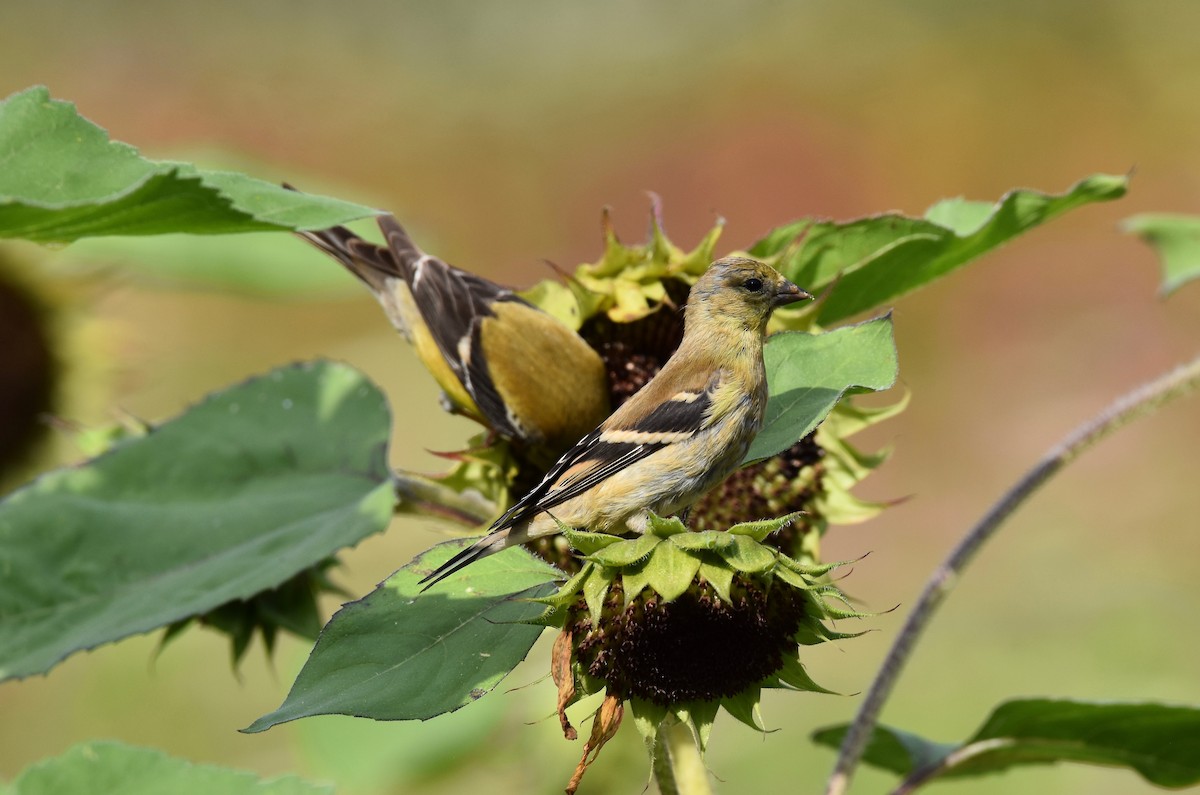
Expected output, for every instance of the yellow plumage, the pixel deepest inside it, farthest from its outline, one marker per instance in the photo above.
(497, 358)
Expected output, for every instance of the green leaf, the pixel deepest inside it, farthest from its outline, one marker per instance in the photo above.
(792, 578)
(1159, 742)
(850, 418)
(62, 179)
(648, 717)
(595, 588)
(665, 526)
(670, 571)
(706, 540)
(720, 577)
(400, 654)
(557, 299)
(627, 552)
(634, 580)
(749, 556)
(112, 768)
(793, 674)
(1176, 240)
(876, 260)
(588, 543)
(761, 529)
(813, 569)
(744, 706)
(699, 716)
(293, 607)
(233, 497)
(808, 373)
(568, 592)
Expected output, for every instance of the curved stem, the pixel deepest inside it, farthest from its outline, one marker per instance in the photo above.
(919, 778)
(1141, 401)
(678, 766)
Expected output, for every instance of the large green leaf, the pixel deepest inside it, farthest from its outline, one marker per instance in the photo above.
(400, 654)
(872, 261)
(1176, 239)
(808, 374)
(62, 179)
(1161, 743)
(112, 768)
(233, 497)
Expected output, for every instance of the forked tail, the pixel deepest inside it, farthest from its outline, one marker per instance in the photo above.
(488, 545)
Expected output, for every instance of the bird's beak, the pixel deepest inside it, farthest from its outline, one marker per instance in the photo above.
(789, 293)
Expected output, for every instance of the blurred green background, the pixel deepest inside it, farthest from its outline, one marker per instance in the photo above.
(497, 132)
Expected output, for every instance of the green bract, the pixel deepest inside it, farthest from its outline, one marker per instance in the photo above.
(628, 282)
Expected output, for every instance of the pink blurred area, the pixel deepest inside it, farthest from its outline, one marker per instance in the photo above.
(499, 131)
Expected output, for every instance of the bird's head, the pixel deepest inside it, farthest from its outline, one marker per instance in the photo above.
(740, 290)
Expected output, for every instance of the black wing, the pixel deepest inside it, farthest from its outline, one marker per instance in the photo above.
(610, 449)
(454, 304)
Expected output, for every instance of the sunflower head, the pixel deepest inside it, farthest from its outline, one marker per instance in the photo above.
(651, 621)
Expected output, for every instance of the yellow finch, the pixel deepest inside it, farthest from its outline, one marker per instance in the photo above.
(497, 358)
(679, 436)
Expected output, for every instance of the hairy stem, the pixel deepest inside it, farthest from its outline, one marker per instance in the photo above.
(429, 497)
(1140, 402)
(678, 766)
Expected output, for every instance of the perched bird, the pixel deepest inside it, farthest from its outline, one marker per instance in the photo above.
(677, 437)
(498, 359)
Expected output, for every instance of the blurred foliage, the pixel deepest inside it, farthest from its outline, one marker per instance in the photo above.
(1176, 240)
(29, 368)
(112, 768)
(292, 607)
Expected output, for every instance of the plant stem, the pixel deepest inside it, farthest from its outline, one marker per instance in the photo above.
(426, 496)
(1140, 402)
(924, 775)
(678, 766)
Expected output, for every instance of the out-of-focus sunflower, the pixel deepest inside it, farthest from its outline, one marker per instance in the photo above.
(55, 361)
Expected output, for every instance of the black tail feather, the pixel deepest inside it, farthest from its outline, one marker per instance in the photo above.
(485, 546)
(371, 263)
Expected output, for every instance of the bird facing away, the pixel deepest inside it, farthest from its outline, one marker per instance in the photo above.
(498, 359)
(679, 436)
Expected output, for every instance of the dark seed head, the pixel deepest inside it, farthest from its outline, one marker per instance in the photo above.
(783, 484)
(696, 647)
(634, 352)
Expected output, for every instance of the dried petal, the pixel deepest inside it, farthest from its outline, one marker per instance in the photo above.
(604, 726)
(560, 671)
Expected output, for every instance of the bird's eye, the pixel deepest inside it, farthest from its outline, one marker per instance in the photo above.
(753, 285)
